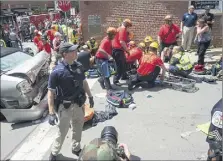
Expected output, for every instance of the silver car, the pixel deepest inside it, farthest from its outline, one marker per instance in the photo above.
(24, 79)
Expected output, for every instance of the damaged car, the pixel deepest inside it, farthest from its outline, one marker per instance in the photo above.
(24, 79)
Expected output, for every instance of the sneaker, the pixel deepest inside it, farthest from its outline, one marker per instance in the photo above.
(77, 153)
(52, 157)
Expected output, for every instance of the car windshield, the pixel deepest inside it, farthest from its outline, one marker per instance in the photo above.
(9, 62)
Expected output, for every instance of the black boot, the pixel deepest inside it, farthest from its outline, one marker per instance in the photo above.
(102, 82)
(108, 84)
(52, 157)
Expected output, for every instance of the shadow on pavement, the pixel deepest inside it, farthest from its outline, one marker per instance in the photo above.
(135, 158)
(24, 124)
(64, 158)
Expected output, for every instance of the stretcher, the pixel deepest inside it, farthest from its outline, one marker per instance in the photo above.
(180, 84)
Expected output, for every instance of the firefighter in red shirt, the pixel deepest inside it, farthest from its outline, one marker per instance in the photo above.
(135, 53)
(149, 68)
(103, 55)
(37, 37)
(168, 33)
(119, 46)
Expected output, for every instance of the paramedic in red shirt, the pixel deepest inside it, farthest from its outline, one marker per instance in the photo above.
(135, 53)
(119, 46)
(103, 55)
(37, 37)
(149, 68)
(168, 33)
(44, 45)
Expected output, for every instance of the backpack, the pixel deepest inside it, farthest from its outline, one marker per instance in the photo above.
(120, 98)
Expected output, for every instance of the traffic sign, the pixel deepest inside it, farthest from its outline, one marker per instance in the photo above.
(64, 5)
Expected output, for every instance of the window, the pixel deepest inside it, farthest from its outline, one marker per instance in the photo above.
(216, 6)
(11, 61)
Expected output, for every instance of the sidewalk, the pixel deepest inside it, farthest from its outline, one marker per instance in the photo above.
(212, 55)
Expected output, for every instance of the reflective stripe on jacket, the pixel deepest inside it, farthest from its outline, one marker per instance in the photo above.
(184, 61)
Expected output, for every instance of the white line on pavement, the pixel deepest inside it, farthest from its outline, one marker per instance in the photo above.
(39, 142)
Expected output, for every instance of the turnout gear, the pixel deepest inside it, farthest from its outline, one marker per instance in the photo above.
(2, 43)
(182, 61)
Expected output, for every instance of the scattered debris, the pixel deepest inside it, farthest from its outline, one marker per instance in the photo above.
(132, 106)
(185, 135)
(149, 96)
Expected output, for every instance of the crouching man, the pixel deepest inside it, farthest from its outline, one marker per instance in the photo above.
(149, 68)
(180, 64)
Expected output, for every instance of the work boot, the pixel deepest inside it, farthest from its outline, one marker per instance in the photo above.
(102, 82)
(52, 157)
(108, 84)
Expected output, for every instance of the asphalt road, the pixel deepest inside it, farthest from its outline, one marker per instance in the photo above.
(153, 130)
(12, 136)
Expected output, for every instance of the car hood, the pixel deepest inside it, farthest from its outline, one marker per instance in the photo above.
(31, 67)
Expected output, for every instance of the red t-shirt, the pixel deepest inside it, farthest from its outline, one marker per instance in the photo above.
(171, 38)
(50, 34)
(135, 54)
(36, 39)
(121, 35)
(148, 64)
(106, 45)
(45, 47)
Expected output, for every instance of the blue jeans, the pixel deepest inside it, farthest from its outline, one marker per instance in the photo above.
(103, 67)
(175, 71)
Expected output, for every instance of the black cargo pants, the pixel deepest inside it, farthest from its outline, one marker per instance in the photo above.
(120, 61)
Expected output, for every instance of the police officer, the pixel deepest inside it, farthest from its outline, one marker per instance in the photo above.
(66, 96)
(215, 132)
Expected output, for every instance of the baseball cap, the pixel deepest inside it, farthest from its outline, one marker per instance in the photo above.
(97, 150)
(67, 47)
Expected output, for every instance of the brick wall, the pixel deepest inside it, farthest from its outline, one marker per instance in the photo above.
(147, 16)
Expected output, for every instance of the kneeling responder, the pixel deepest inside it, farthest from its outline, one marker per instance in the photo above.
(66, 97)
(180, 63)
(92, 45)
(103, 55)
(131, 45)
(135, 53)
(148, 40)
(149, 68)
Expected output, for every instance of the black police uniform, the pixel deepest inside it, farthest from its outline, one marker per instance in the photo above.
(215, 130)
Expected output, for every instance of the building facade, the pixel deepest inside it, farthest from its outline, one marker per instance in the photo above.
(10, 5)
(147, 17)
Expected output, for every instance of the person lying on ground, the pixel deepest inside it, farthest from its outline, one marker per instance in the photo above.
(149, 68)
(180, 63)
(166, 54)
